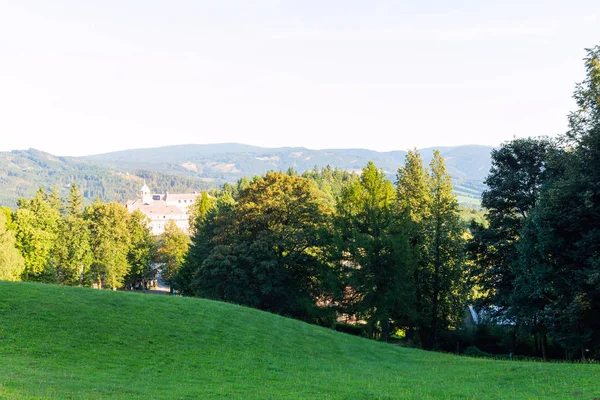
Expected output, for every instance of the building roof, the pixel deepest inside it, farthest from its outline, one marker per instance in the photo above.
(155, 209)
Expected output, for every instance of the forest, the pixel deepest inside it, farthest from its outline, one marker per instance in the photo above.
(360, 253)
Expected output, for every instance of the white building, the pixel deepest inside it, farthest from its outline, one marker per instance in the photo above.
(162, 208)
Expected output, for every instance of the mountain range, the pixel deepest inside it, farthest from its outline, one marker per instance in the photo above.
(119, 175)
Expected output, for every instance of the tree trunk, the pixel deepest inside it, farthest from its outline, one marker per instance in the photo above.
(385, 330)
(514, 340)
(410, 333)
(425, 336)
(544, 347)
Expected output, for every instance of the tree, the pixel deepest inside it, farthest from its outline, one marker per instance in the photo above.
(437, 238)
(199, 210)
(268, 249)
(202, 241)
(566, 222)
(142, 250)
(72, 253)
(173, 246)
(519, 168)
(75, 201)
(443, 260)
(374, 250)
(110, 242)
(37, 225)
(412, 193)
(11, 261)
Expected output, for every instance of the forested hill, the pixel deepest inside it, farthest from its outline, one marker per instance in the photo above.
(118, 176)
(22, 172)
(468, 165)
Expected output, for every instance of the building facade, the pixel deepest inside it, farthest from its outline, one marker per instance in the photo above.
(162, 208)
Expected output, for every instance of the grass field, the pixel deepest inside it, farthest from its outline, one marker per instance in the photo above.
(60, 342)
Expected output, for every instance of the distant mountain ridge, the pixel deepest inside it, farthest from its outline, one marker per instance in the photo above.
(468, 165)
(117, 175)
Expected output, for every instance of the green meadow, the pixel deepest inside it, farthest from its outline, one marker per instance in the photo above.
(72, 343)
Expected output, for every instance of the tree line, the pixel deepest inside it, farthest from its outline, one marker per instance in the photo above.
(52, 240)
(390, 256)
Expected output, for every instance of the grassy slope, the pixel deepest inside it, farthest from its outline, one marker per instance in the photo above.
(59, 342)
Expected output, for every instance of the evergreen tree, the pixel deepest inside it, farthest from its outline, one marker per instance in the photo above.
(205, 229)
(444, 267)
(199, 210)
(75, 201)
(437, 237)
(72, 253)
(375, 251)
(53, 198)
(412, 193)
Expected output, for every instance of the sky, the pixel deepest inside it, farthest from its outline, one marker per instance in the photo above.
(88, 77)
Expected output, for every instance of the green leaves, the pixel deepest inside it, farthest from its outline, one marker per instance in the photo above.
(173, 246)
(267, 250)
(11, 261)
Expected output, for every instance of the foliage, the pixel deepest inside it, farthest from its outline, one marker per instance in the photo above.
(268, 249)
(11, 261)
(110, 243)
(538, 257)
(172, 248)
(561, 253)
(374, 251)
(142, 251)
(37, 225)
(199, 211)
(519, 169)
(72, 254)
(437, 239)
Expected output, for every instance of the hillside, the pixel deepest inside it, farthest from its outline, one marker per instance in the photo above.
(63, 342)
(468, 165)
(23, 172)
(118, 176)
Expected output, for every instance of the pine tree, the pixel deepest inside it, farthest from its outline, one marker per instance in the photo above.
(375, 252)
(75, 201)
(437, 238)
(444, 259)
(199, 210)
(72, 253)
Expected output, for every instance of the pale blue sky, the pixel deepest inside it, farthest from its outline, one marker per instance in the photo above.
(83, 77)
